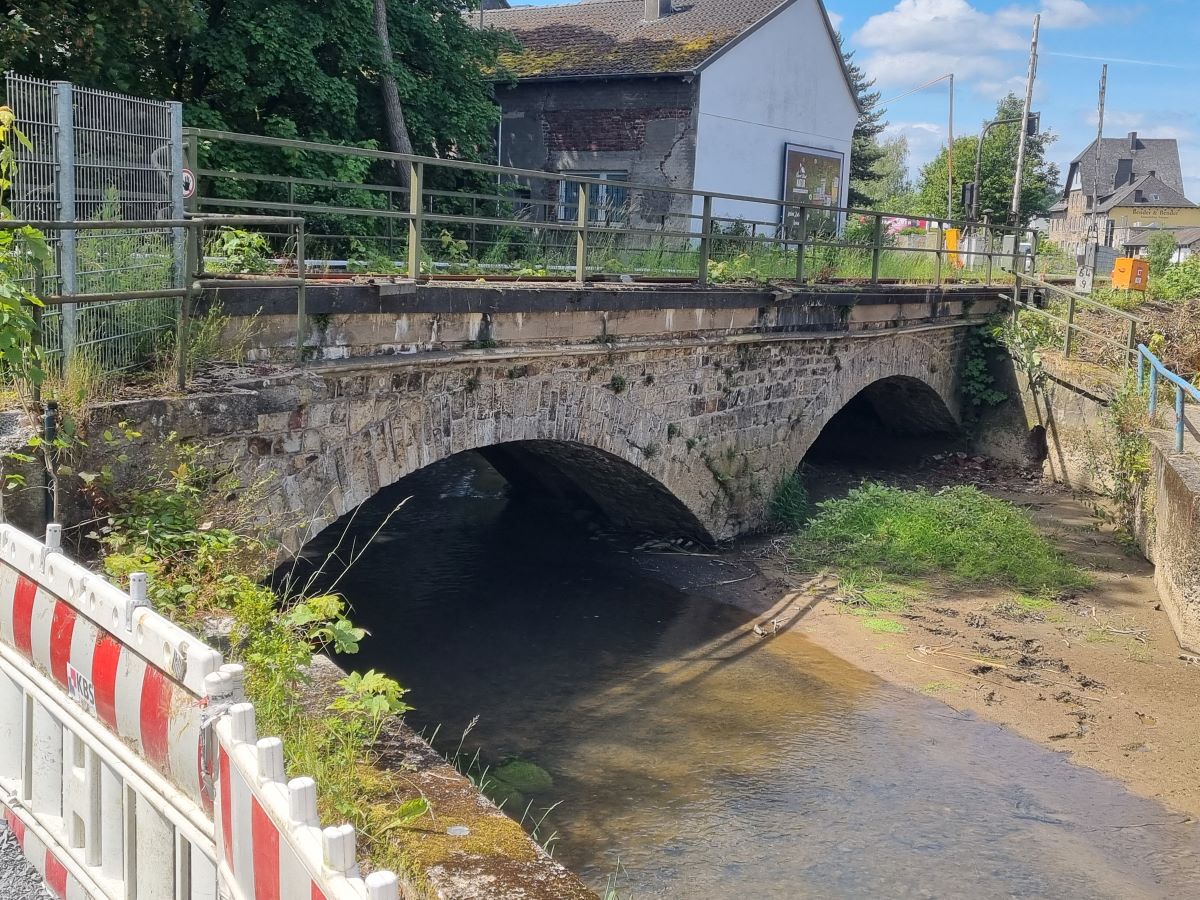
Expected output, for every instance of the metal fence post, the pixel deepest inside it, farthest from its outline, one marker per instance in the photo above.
(191, 257)
(178, 235)
(941, 242)
(39, 339)
(987, 247)
(416, 208)
(1070, 325)
(876, 248)
(301, 295)
(803, 228)
(581, 231)
(1153, 389)
(1131, 343)
(1179, 420)
(191, 152)
(68, 264)
(705, 240)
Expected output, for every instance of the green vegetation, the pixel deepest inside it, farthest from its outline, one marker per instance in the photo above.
(959, 532)
(239, 252)
(1179, 281)
(205, 559)
(1128, 450)
(1159, 252)
(883, 626)
(789, 502)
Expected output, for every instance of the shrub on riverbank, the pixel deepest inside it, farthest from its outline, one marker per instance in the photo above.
(958, 531)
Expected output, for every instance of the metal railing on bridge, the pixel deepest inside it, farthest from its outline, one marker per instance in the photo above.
(1149, 369)
(497, 220)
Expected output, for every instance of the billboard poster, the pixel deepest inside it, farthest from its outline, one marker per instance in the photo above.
(813, 177)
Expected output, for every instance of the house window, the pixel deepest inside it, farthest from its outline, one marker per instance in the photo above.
(608, 203)
(1108, 232)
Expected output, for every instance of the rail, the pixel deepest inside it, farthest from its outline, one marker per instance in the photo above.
(1149, 369)
(1128, 348)
(194, 277)
(687, 230)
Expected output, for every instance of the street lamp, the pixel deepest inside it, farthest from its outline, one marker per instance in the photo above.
(1031, 128)
(949, 134)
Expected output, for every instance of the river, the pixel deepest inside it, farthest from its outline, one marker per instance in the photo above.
(683, 756)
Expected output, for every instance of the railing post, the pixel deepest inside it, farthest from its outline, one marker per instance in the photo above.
(178, 235)
(416, 209)
(1178, 418)
(581, 231)
(64, 118)
(1131, 343)
(1141, 373)
(191, 264)
(876, 248)
(191, 152)
(802, 226)
(705, 246)
(941, 243)
(39, 339)
(987, 247)
(301, 295)
(1153, 388)
(1070, 325)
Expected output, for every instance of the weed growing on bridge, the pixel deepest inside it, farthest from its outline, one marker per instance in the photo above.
(959, 532)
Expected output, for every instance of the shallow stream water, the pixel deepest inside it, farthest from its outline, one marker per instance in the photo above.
(690, 758)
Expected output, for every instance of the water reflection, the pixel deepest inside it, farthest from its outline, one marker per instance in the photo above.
(709, 761)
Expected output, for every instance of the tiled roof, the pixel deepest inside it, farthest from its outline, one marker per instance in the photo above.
(1184, 237)
(1157, 155)
(1151, 186)
(612, 37)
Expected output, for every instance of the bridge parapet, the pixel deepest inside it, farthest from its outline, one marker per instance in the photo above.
(350, 319)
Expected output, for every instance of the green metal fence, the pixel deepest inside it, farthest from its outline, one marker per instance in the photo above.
(423, 216)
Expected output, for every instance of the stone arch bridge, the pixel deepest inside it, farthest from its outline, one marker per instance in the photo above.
(672, 411)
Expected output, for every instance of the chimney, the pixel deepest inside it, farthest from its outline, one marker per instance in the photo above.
(656, 9)
(1132, 141)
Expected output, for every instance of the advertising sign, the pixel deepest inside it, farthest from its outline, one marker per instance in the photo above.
(813, 177)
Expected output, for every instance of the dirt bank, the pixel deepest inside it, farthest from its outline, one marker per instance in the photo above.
(1097, 675)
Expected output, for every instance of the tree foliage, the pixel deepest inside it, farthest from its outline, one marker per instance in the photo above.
(290, 68)
(865, 152)
(997, 165)
(1159, 252)
(890, 189)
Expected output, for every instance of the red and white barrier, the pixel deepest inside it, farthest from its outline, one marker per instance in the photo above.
(119, 730)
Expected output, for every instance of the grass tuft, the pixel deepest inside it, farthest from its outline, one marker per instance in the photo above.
(958, 531)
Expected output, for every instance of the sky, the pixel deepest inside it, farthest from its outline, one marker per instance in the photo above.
(1150, 46)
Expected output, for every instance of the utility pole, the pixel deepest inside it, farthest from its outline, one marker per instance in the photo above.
(950, 158)
(1099, 138)
(1015, 209)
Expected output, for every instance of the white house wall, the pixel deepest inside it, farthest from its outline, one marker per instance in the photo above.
(782, 84)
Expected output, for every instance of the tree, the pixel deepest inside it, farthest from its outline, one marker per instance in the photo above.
(291, 68)
(891, 190)
(397, 128)
(998, 163)
(865, 152)
(1160, 251)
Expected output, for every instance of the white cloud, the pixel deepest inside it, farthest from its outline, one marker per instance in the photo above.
(835, 19)
(920, 39)
(925, 141)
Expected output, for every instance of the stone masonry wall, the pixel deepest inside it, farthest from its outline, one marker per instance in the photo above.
(716, 424)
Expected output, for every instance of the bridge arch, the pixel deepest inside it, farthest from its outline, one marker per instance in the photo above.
(583, 442)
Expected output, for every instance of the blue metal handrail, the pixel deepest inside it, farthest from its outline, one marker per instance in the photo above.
(1182, 389)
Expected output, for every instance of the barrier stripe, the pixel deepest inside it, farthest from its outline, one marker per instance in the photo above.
(226, 840)
(155, 706)
(62, 627)
(16, 825)
(105, 659)
(317, 893)
(23, 597)
(266, 853)
(56, 876)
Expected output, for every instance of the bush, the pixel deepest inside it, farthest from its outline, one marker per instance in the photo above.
(1179, 281)
(959, 531)
(1159, 252)
(789, 502)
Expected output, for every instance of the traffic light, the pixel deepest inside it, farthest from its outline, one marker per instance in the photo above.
(968, 196)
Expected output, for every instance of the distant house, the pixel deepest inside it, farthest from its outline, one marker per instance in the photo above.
(1187, 242)
(715, 95)
(1140, 185)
